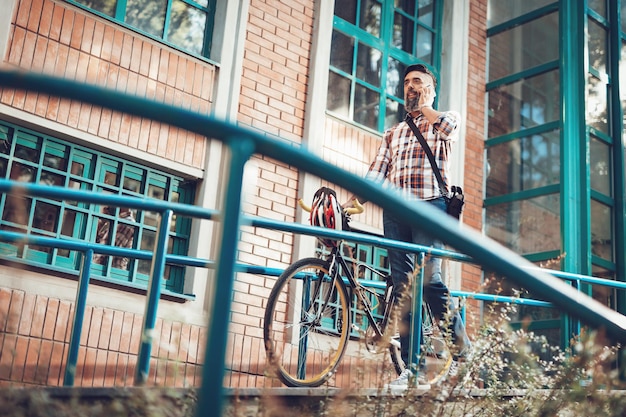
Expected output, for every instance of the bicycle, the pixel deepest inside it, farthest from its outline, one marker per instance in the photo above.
(308, 320)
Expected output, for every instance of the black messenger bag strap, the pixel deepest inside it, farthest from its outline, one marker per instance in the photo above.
(429, 154)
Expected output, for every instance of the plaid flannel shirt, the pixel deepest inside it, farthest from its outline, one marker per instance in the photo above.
(402, 164)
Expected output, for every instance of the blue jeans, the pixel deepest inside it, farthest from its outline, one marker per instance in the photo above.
(436, 293)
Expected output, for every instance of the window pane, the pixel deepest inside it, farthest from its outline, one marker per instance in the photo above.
(394, 114)
(597, 104)
(147, 15)
(366, 106)
(342, 52)
(338, 100)
(425, 11)
(370, 17)
(599, 6)
(424, 45)
(499, 11)
(526, 226)
(346, 9)
(103, 6)
(600, 169)
(597, 46)
(407, 6)
(524, 47)
(523, 164)
(395, 82)
(526, 103)
(187, 27)
(369, 65)
(601, 227)
(403, 33)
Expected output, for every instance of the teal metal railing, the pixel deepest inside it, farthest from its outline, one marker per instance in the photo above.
(243, 143)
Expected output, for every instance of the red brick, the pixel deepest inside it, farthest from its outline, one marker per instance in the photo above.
(96, 43)
(46, 18)
(63, 318)
(32, 360)
(122, 377)
(5, 303)
(136, 336)
(57, 22)
(99, 368)
(65, 36)
(15, 311)
(22, 14)
(34, 16)
(39, 316)
(57, 364)
(43, 364)
(108, 40)
(7, 353)
(78, 28)
(110, 369)
(86, 365)
(19, 359)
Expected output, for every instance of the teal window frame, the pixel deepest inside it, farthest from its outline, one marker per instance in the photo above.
(581, 136)
(390, 103)
(27, 155)
(118, 15)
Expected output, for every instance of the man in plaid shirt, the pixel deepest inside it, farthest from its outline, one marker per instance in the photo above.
(402, 164)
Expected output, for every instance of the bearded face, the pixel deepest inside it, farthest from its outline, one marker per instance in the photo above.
(411, 100)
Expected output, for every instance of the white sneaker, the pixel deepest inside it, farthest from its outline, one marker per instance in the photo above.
(404, 380)
(453, 372)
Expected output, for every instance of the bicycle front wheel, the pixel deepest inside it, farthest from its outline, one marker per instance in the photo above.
(307, 324)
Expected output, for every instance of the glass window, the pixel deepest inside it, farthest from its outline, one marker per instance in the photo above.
(373, 41)
(601, 230)
(598, 6)
(500, 11)
(600, 166)
(31, 157)
(597, 105)
(182, 23)
(523, 164)
(524, 104)
(526, 226)
(523, 47)
(597, 46)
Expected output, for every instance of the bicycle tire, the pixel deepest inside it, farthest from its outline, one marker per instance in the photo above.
(436, 356)
(305, 353)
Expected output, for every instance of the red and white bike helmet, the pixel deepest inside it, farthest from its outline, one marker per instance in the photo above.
(327, 212)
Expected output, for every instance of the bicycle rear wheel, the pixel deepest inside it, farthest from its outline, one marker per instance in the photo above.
(307, 324)
(436, 357)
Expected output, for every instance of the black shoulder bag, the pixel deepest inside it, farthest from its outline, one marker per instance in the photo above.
(455, 200)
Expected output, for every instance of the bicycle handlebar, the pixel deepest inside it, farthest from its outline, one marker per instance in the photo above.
(356, 209)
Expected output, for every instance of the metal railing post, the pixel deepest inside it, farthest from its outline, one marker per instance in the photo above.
(79, 316)
(154, 294)
(210, 395)
(415, 344)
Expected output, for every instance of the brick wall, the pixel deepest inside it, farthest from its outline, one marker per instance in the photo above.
(475, 131)
(35, 336)
(58, 39)
(272, 99)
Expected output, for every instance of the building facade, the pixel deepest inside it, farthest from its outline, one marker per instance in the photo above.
(320, 74)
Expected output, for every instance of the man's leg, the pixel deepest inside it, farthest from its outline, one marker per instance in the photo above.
(401, 264)
(436, 293)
